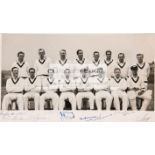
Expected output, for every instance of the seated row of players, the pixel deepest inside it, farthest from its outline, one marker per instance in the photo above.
(93, 88)
(42, 64)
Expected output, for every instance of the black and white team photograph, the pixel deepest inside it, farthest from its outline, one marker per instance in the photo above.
(87, 72)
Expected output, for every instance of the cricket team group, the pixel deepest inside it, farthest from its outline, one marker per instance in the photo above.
(101, 84)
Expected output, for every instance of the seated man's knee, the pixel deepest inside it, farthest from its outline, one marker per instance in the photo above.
(114, 95)
(131, 95)
(148, 94)
(109, 96)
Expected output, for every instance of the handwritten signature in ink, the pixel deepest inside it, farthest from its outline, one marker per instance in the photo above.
(95, 117)
(66, 115)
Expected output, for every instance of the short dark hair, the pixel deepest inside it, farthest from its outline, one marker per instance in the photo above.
(117, 69)
(67, 69)
(20, 52)
(77, 52)
(85, 69)
(14, 68)
(96, 52)
(50, 69)
(134, 67)
(140, 54)
(41, 49)
(108, 51)
(63, 50)
(32, 69)
(100, 68)
(121, 54)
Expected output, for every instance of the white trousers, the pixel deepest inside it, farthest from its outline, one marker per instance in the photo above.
(70, 96)
(49, 95)
(81, 95)
(120, 95)
(146, 96)
(103, 95)
(8, 98)
(33, 95)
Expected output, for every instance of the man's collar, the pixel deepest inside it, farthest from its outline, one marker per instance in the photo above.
(50, 80)
(63, 62)
(100, 79)
(108, 62)
(117, 79)
(42, 60)
(121, 65)
(84, 80)
(80, 61)
(32, 80)
(15, 80)
(67, 81)
(20, 64)
(141, 66)
(135, 79)
(96, 62)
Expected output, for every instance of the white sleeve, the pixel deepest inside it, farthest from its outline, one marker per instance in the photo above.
(128, 69)
(26, 87)
(105, 69)
(89, 85)
(9, 88)
(27, 68)
(123, 85)
(128, 84)
(111, 85)
(110, 70)
(45, 86)
(143, 84)
(61, 86)
(21, 87)
(54, 86)
(106, 84)
(38, 86)
(79, 85)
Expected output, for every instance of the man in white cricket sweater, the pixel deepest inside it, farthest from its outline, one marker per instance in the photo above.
(22, 65)
(84, 85)
(14, 88)
(95, 64)
(118, 86)
(123, 65)
(110, 63)
(32, 88)
(137, 88)
(80, 62)
(50, 86)
(101, 87)
(67, 87)
(61, 64)
(143, 67)
(42, 64)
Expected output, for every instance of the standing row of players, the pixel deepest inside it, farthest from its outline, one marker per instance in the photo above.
(42, 64)
(95, 81)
